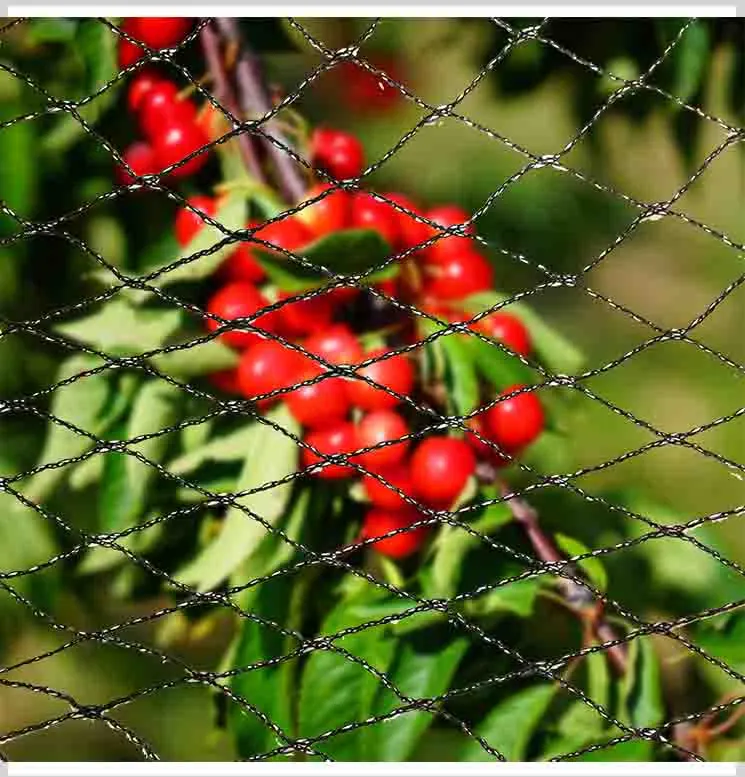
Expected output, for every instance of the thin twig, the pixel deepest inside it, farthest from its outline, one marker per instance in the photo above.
(254, 100)
(577, 598)
(224, 95)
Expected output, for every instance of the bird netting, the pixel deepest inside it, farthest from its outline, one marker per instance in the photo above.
(298, 480)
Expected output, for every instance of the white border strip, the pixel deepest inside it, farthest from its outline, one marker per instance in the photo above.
(435, 9)
(258, 769)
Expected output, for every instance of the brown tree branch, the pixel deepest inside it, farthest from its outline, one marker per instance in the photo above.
(578, 599)
(254, 100)
(223, 93)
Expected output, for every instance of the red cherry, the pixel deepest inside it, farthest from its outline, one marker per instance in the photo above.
(240, 300)
(242, 264)
(141, 85)
(508, 329)
(458, 275)
(383, 494)
(380, 522)
(395, 373)
(516, 422)
(141, 158)
(161, 107)
(481, 448)
(343, 295)
(188, 223)
(411, 232)
(448, 216)
(440, 469)
(288, 233)
(129, 53)
(338, 153)
(366, 92)
(340, 438)
(369, 213)
(336, 345)
(320, 404)
(329, 214)
(269, 366)
(303, 317)
(157, 33)
(177, 143)
(378, 427)
(225, 380)
(212, 121)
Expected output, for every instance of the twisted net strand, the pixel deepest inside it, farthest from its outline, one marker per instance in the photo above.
(566, 569)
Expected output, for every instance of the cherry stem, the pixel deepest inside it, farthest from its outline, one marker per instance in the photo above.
(577, 598)
(224, 94)
(254, 100)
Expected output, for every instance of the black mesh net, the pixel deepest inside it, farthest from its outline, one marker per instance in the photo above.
(313, 645)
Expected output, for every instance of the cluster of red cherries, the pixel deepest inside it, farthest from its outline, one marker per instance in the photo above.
(171, 125)
(356, 423)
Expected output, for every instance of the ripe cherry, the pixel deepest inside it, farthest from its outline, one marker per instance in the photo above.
(410, 231)
(129, 53)
(516, 422)
(157, 33)
(458, 275)
(141, 84)
(378, 427)
(141, 159)
(242, 264)
(336, 345)
(305, 316)
(329, 214)
(382, 494)
(240, 300)
(268, 366)
(338, 153)
(336, 439)
(395, 373)
(508, 329)
(367, 92)
(448, 216)
(440, 469)
(225, 381)
(288, 233)
(161, 106)
(320, 404)
(369, 213)
(479, 446)
(188, 223)
(380, 522)
(178, 142)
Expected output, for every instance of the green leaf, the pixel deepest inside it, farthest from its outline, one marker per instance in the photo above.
(509, 727)
(118, 328)
(335, 690)
(440, 579)
(592, 567)
(232, 216)
(269, 456)
(345, 252)
(81, 403)
(517, 597)
(500, 368)
(557, 353)
(266, 688)
(126, 480)
(228, 447)
(197, 360)
(642, 704)
(96, 46)
(692, 60)
(52, 30)
(725, 640)
(420, 676)
(461, 375)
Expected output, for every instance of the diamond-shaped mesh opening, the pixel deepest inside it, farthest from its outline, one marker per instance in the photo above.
(183, 540)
